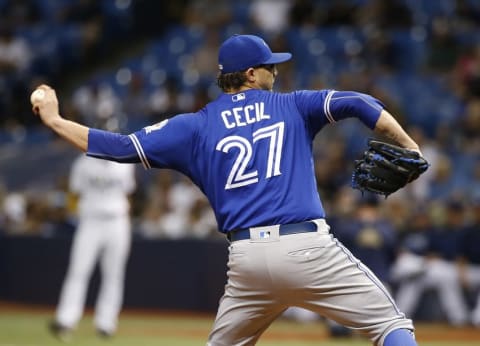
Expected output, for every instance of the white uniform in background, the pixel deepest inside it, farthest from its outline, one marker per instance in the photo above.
(104, 235)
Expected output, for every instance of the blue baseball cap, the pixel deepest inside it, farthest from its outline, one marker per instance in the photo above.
(240, 52)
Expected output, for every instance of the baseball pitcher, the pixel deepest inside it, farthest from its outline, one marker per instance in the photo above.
(250, 153)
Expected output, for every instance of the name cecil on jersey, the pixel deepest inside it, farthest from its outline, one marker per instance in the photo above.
(243, 116)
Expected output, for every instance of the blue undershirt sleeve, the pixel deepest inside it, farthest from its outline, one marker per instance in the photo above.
(111, 146)
(345, 104)
(321, 107)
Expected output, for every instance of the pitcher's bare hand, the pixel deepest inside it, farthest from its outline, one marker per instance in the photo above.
(45, 104)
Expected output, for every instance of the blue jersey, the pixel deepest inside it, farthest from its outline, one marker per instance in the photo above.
(250, 152)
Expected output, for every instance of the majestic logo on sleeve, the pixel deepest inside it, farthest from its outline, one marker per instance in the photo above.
(156, 126)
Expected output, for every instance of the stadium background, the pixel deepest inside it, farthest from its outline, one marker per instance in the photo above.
(124, 64)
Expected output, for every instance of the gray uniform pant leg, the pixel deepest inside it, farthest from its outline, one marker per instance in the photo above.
(310, 270)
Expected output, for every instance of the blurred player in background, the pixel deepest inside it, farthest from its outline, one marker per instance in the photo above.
(432, 266)
(469, 261)
(104, 236)
(250, 152)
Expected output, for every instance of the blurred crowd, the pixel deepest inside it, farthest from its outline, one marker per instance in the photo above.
(420, 57)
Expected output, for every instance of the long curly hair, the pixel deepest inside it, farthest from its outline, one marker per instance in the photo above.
(231, 81)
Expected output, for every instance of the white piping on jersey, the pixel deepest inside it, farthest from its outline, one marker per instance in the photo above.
(140, 152)
(328, 99)
(326, 107)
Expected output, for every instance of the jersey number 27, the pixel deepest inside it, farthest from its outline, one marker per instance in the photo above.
(238, 176)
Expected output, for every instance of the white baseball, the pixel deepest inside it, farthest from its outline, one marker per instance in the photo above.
(37, 95)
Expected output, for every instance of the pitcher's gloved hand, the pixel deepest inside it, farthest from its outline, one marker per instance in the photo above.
(385, 168)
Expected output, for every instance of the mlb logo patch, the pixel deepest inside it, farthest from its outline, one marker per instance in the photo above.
(264, 234)
(238, 97)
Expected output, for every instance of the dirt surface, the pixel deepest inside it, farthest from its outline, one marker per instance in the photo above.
(280, 330)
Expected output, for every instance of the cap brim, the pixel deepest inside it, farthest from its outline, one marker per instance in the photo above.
(278, 58)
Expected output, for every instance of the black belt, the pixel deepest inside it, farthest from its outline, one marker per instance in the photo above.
(290, 228)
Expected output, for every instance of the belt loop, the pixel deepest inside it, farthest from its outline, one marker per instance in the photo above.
(322, 226)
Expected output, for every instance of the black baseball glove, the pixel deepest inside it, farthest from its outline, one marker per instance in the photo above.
(385, 168)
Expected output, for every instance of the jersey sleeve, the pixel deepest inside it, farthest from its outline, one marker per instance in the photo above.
(329, 106)
(168, 144)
